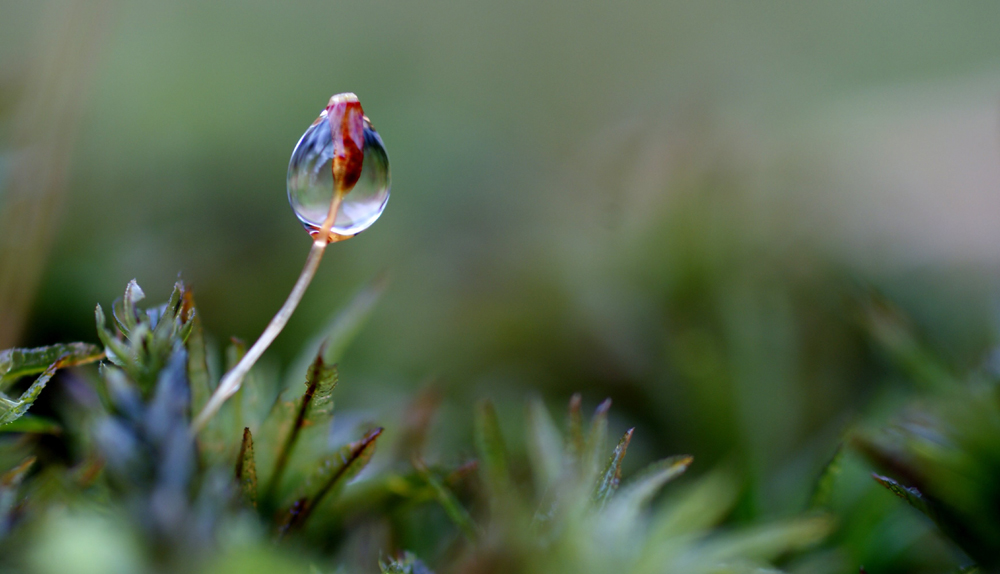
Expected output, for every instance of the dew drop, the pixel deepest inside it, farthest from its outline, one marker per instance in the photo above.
(311, 181)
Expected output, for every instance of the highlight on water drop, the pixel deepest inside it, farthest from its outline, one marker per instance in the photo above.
(340, 152)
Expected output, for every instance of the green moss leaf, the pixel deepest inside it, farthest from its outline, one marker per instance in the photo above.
(11, 410)
(636, 493)
(17, 363)
(448, 501)
(611, 477)
(544, 445)
(332, 473)
(33, 424)
(597, 439)
(911, 495)
(492, 452)
(315, 406)
(246, 469)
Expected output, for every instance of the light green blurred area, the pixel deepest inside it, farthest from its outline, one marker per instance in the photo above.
(671, 203)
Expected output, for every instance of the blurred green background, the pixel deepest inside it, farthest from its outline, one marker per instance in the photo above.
(676, 204)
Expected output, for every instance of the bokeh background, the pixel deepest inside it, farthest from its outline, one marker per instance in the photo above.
(678, 204)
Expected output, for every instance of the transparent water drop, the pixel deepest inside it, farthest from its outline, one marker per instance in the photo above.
(311, 182)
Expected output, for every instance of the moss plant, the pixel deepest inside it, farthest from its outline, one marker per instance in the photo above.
(166, 468)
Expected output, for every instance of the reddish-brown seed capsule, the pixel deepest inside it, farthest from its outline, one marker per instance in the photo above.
(339, 165)
(347, 126)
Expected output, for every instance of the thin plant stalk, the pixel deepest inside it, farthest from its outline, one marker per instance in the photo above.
(231, 381)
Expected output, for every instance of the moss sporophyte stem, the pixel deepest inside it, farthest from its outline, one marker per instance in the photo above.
(347, 143)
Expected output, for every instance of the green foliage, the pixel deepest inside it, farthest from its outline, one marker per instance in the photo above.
(16, 363)
(943, 458)
(941, 454)
(582, 517)
(146, 339)
(263, 476)
(140, 462)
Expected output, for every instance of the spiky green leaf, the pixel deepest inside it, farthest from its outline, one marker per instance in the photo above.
(198, 374)
(611, 477)
(448, 501)
(823, 491)
(597, 439)
(911, 495)
(333, 473)
(11, 410)
(33, 424)
(636, 493)
(16, 363)
(490, 445)
(246, 469)
(9, 483)
(544, 445)
(313, 407)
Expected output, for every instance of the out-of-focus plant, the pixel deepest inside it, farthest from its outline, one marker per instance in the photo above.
(145, 494)
(941, 454)
(577, 515)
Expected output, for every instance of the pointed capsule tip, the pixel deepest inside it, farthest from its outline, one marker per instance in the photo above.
(344, 98)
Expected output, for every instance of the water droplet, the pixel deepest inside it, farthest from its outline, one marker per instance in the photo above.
(311, 180)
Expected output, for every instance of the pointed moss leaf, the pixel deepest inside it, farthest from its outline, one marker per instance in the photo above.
(117, 352)
(315, 406)
(636, 493)
(164, 323)
(32, 424)
(408, 564)
(186, 325)
(334, 472)
(198, 375)
(448, 501)
(341, 329)
(703, 505)
(171, 307)
(174, 319)
(490, 445)
(611, 477)
(16, 363)
(895, 335)
(128, 318)
(544, 445)
(909, 494)
(11, 410)
(120, 319)
(765, 543)
(597, 438)
(133, 294)
(246, 469)
(574, 431)
(234, 352)
(823, 491)
(15, 476)
(291, 517)
(9, 483)
(321, 382)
